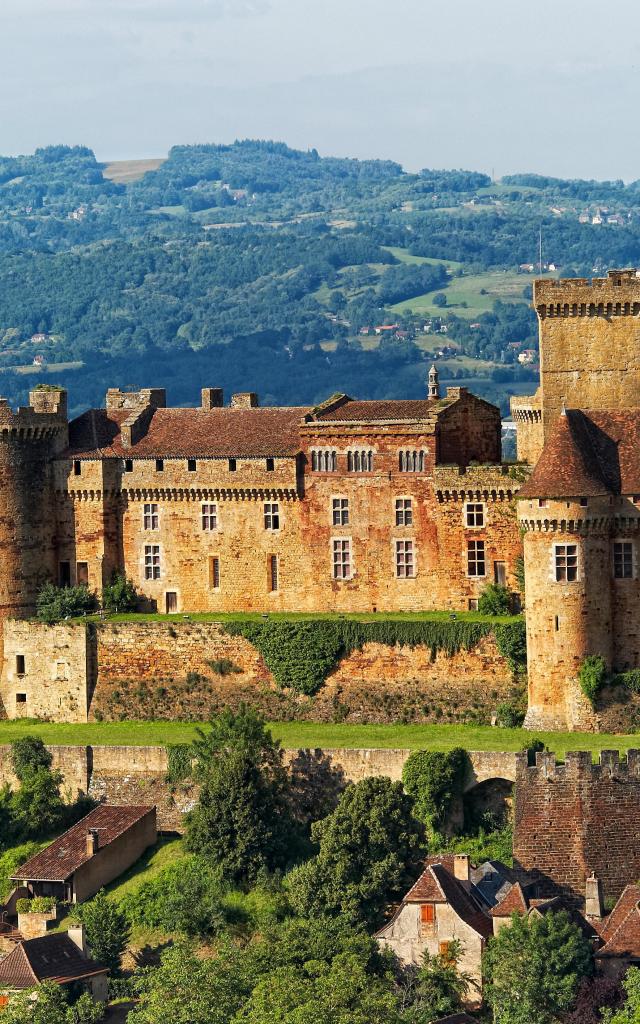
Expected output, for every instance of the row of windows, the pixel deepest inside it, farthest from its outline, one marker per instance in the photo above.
(474, 514)
(565, 561)
(361, 460)
(342, 561)
(192, 465)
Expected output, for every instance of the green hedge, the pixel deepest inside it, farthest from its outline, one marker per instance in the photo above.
(301, 655)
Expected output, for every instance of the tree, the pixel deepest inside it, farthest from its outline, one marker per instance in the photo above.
(242, 822)
(434, 779)
(370, 850)
(494, 600)
(439, 299)
(37, 807)
(184, 897)
(436, 988)
(28, 754)
(120, 595)
(630, 1012)
(50, 1006)
(533, 968)
(56, 603)
(106, 929)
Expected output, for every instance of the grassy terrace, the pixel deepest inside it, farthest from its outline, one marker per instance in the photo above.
(301, 617)
(312, 734)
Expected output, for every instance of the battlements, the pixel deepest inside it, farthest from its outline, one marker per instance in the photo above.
(43, 417)
(609, 764)
(526, 408)
(617, 294)
(452, 483)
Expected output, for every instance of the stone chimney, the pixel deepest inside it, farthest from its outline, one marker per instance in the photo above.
(211, 398)
(245, 400)
(594, 899)
(434, 382)
(92, 842)
(48, 399)
(77, 936)
(462, 867)
(132, 401)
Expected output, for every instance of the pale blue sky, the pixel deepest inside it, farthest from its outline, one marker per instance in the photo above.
(551, 86)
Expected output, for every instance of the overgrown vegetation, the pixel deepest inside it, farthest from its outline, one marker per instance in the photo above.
(435, 781)
(495, 599)
(301, 654)
(592, 676)
(56, 603)
(120, 595)
(37, 905)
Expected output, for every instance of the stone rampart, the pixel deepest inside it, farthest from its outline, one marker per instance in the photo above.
(138, 775)
(185, 670)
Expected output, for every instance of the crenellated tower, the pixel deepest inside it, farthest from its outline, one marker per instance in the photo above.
(29, 441)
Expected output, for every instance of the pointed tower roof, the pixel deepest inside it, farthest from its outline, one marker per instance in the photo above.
(579, 459)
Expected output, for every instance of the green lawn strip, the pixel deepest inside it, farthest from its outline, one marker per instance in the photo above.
(438, 616)
(295, 735)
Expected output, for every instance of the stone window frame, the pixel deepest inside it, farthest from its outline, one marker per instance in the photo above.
(412, 460)
(335, 563)
(401, 513)
(215, 572)
(627, 541)
(556, 565)
(271, 516)
(474, 556)
(341, 510)
(150, 515)
(324, 460)
(467, 513)
(273, 573)
(400, 543)
(361, 459)
(149, 563)
(209, 520)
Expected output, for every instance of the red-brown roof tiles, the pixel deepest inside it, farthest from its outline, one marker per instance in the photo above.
(589, 454)
(621, 932)
(53, 957)
(513, 902)
(58, 861)
(385, 409)
(190, 433)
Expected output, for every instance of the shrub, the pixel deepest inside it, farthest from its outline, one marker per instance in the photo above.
(509, 715)
(223, 666)
(185, 897)
(434, 779)
(37, 905)
(592, 675)
(28, 754)
(511, 641)
(494, 600)
(179, 757)
(120, 595)
(56, 603)
(107, 929)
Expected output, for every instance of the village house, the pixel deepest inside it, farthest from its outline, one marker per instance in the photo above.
(90, 854)
(620, 936)
(442, 907)
(61, 957)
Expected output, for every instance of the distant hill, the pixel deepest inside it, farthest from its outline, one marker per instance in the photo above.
(257, 266)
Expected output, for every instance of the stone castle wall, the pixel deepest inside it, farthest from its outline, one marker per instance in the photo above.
(137, 775)
(577, 818)
(168, 670)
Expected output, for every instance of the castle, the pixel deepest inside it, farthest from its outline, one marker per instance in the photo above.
(358, 506)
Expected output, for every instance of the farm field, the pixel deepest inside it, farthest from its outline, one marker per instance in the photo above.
(294, 735)
(125, 171)
(479, 291)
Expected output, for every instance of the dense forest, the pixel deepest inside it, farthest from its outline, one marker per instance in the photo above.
(255, 266)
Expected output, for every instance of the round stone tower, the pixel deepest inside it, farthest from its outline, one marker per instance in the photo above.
(567, 552)
(29, 440)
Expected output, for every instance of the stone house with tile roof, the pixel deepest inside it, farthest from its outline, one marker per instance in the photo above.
(620, 936)
(60, 957)
(440, 908)
(99, 848)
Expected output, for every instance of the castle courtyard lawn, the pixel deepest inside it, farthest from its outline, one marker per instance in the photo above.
(294, 735)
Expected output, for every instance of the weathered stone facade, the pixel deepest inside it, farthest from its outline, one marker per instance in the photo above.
(576, 818)
(168, 670)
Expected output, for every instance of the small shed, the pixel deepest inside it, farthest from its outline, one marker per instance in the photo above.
(91, 854)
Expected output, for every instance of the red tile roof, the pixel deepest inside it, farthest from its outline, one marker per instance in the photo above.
(385, 409)
(190, 433)
(438, 884)
(51, 957)
(621, 932)
(589, 454)
(513, 902)
(58, 861)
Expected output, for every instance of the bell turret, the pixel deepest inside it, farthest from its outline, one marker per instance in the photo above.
(434, 383)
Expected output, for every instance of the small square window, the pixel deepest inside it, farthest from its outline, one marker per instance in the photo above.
(474, 513)
(271, 465)
(340, 511)
(473, 604)
(404, 512)
(271, 515)
(566, 563)
(232, 465)
(191, 465)
(476, 565)
(128, 465)
(21, 698)
(159, 465)
(77, 467)
(542, 502)
(584, 502)
(20, 667)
